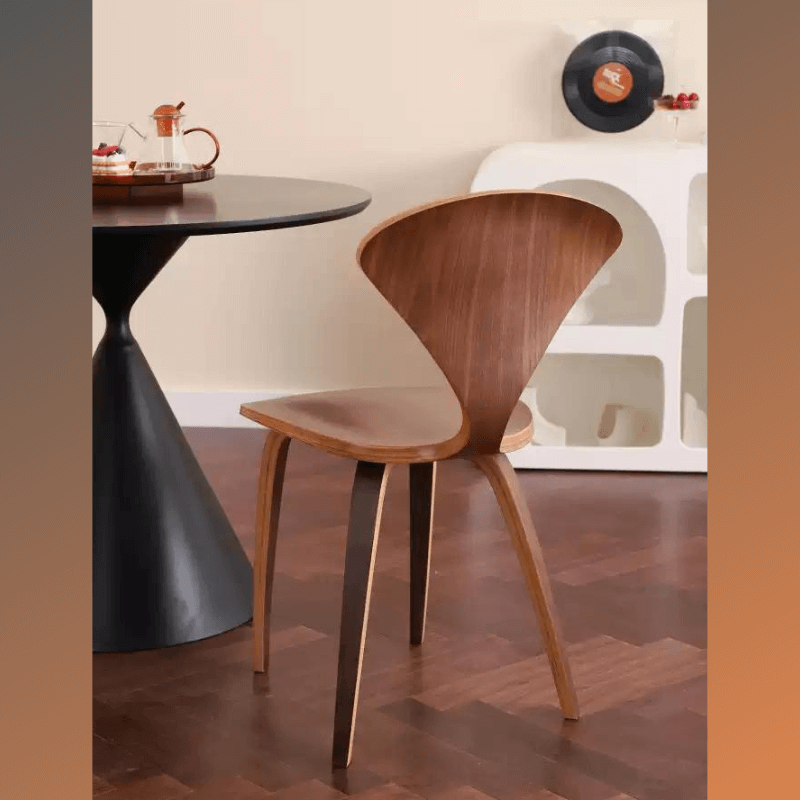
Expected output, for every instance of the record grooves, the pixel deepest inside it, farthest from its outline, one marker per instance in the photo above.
(610, 81)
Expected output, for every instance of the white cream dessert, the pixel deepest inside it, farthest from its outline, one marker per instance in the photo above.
(110, 160)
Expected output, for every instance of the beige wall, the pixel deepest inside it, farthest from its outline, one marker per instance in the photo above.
(401, 97)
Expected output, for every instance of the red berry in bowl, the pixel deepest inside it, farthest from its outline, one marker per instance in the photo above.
(685, 104)
(682, 96)
(694, 97)
(675, 106)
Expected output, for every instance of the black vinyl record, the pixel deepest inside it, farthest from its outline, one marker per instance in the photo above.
(610, 81)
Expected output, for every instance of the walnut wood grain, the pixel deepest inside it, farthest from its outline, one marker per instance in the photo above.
(484, 281)
(369, 488)
(422, 489)
(389, 425)
(519, 429)
(270, 487)
(382, 425)
(504, 481)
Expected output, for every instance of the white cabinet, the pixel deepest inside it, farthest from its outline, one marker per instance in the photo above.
(623, 383)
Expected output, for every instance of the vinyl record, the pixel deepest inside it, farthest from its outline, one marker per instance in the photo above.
(610, 81)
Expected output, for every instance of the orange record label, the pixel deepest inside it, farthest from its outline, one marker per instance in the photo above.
(612, 82)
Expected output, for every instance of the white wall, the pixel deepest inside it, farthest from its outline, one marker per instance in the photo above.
(401, 97)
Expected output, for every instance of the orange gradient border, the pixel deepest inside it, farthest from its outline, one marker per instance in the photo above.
(45, 394)
(754, 445)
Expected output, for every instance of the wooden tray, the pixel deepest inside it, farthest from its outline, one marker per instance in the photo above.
(164, 187)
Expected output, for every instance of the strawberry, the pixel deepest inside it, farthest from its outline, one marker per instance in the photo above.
(682, 96)
(694, 97)
(685, 104)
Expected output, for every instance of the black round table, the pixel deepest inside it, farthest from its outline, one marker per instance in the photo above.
(168, 567)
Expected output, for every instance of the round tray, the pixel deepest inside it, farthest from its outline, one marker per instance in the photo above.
(156, 179)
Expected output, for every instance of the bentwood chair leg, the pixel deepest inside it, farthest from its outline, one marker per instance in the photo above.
(422, 484)
(366, 504)
(270, 487)
(515, 511)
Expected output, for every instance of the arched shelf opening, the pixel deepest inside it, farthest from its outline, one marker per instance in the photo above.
(629, 289)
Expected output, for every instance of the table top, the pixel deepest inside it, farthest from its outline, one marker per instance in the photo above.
(235, 204)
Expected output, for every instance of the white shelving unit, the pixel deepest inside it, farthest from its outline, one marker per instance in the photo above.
(623, 384)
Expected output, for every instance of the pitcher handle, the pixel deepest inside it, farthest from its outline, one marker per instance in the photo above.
(216, 144)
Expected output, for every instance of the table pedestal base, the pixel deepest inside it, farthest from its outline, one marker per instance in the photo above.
(168, 567)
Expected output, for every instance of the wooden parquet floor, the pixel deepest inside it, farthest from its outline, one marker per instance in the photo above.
(472, 714)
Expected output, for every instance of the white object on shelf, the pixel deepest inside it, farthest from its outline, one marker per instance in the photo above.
(695, 422)
(639, 319)
(622, 426)
(580, 392)
(693, 368)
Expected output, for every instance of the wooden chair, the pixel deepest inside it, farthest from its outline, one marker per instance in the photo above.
(484, 281)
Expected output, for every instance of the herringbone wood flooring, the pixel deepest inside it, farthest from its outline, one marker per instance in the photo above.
(472, 714)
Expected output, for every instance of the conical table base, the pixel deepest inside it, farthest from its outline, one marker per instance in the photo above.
(168, 567)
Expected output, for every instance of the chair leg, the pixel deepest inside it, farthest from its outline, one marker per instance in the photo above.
(366, 504)
(270, 487)
(422, 480)
(515, 511)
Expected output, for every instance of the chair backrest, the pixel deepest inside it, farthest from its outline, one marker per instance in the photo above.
(485, 280)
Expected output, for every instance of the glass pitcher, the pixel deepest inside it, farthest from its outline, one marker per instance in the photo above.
(164, 149)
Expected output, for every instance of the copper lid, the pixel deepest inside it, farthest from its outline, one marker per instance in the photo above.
(167, 118)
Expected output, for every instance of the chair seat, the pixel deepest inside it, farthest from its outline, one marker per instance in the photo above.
(386, 425)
